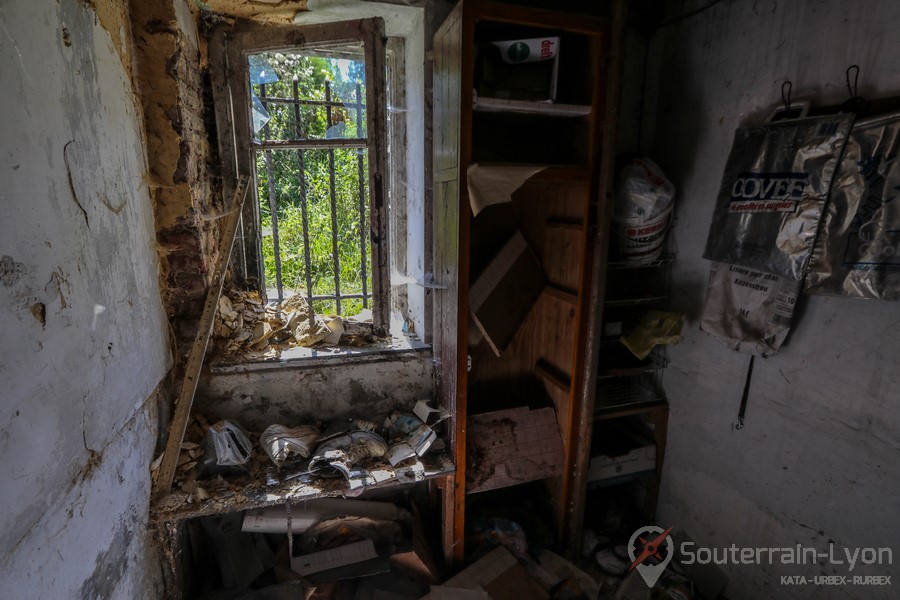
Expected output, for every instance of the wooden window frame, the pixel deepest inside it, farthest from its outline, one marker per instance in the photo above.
(229, 46)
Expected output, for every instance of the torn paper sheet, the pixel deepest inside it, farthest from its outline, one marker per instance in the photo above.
(429, 416)
(496, 184)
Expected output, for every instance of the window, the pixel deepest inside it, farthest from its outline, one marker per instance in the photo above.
(307, 119)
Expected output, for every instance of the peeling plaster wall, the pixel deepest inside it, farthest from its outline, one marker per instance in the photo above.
(83, 345)
(818, 459)
(182, 173)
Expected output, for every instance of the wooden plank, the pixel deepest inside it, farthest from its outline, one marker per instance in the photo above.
(372, 34)
(606, 90)
(447, 269)
(502, 296)
(553, 375)
(537, 17)
(185, 400)
(559, 292)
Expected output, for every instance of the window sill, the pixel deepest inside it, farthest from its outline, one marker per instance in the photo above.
(299, 357)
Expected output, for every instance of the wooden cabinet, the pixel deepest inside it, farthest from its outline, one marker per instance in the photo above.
(534, 354)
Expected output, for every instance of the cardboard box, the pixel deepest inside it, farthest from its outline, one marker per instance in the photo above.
(525, 69)
(499, 574)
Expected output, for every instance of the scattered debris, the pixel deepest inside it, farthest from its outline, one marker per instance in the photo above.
(248, 329)
(409, 437)
(226, 448)
(337, 454)
(281, 442)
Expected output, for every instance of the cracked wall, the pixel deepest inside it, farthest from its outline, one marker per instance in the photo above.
(84, 343)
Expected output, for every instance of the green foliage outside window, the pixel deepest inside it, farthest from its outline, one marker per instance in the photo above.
(311, 73)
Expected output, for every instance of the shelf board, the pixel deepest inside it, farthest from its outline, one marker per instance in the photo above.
(563, 293)
(531, 107)
(663, 261)
(553, 376)
(649, 299)
(550, 172)
(259, 493)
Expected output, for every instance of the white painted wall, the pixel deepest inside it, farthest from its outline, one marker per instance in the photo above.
(818, 459)
(83, 382)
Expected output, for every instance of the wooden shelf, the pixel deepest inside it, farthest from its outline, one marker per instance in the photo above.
(553, 211)
(259, 493)
(531, 107)
(553, 376)
(549, 172)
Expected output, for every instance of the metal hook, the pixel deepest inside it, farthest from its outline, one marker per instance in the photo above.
(852, 90)
(786, 98)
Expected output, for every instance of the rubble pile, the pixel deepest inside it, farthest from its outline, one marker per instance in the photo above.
(246, 328)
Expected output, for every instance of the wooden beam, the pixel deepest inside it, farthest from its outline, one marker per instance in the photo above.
(179, 422)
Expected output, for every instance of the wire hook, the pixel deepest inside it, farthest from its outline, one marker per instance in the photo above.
(786, 98)
(852, 90)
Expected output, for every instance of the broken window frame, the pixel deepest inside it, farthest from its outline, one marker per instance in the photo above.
(228, 48)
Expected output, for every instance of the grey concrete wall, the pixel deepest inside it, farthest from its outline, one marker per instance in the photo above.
(364, 387)
(83, 342)
(818, 459)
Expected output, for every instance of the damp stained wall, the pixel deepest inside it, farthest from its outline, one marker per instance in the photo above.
(818, 459)
(83, 342)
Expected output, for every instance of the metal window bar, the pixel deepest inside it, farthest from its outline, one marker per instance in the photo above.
(331, 191)
(300, 144)
(273, 204)
(362, 196)
(301, 165)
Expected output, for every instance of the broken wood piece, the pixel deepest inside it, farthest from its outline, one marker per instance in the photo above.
(502, 296)
(185, 400)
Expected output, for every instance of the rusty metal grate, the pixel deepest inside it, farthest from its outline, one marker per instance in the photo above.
(301, 145)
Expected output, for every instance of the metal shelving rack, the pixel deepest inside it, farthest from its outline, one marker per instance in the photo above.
(628, 388)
